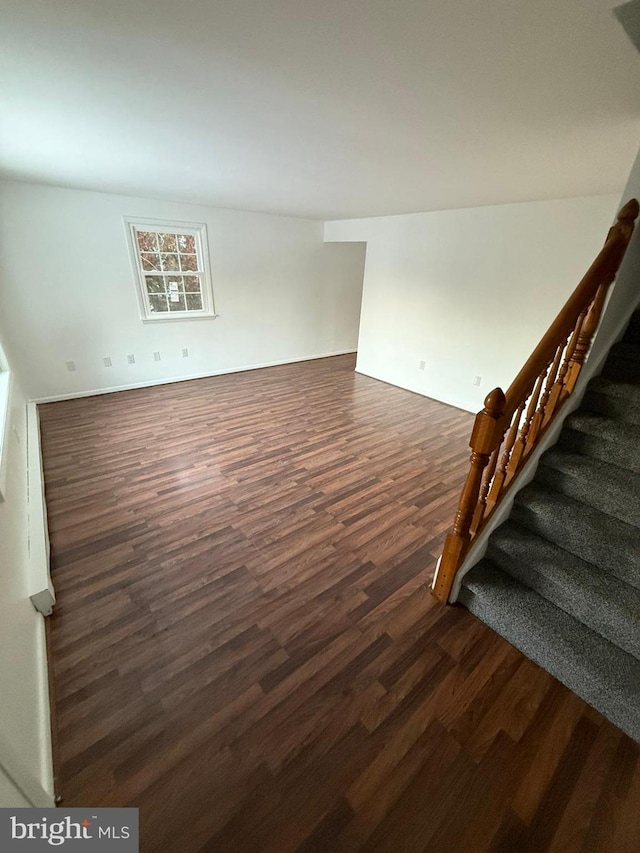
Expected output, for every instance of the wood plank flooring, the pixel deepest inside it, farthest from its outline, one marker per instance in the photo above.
(245, 647)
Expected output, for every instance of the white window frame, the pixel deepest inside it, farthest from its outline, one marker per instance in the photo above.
(196, 229)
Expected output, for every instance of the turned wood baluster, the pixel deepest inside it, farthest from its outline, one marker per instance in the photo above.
(551, 372)
(485, 438)
(484, 490)
(501, 473)
(584, 337)
(521, 447)
(559, 391)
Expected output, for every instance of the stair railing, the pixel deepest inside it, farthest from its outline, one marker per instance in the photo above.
(511, 425)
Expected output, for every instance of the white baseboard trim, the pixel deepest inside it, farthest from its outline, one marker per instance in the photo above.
(6, 382)
(56, 398)
(447, 401)
(40, 586)
(22, 779)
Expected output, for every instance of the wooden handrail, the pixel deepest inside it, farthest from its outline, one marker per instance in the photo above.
(531, 402)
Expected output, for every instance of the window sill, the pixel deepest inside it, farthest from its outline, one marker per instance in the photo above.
(179, 319)
(5, 394)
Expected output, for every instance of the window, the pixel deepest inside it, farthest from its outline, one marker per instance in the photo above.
(172, 269)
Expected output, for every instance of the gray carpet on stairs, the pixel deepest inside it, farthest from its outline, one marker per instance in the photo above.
(561, 578)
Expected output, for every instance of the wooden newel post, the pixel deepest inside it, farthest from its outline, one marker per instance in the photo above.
(485, 438)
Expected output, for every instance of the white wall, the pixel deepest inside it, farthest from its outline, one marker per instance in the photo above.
(68, 292)
(470, 292)
(25, 747)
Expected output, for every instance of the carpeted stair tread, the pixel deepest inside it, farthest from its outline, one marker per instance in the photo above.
(632, 333)
(624, 369)
(582, 530)
(625, 349)
(613, 490)
(613, 441)
(614, 388)
(604, 675)
(587, 592)
(603, 427)
(611, 405)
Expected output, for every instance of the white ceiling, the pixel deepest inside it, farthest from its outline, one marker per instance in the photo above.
(320, 108)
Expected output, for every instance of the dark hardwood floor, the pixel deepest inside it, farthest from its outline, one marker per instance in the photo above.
(245, 647)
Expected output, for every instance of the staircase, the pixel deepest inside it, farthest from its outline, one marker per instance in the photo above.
(561, 578)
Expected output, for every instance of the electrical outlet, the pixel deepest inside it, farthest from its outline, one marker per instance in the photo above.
(131, 358)
(185, 352)
(477, 380)
(423, 364)
(156, 356)
(106, 361)
(71, 366)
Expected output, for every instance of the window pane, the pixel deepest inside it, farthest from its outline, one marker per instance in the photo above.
(155, 283)
(192, 283)
(170, 262)
(186, 243)
(178, 305)
(150, 262)
(175, 285)
(189, 262)
(146, 241)
(194, 302)
(158, 304)
(167, 242)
